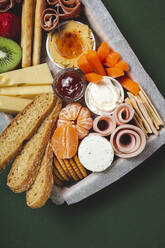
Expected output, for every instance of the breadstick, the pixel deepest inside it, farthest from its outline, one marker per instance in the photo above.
(146, 115)
(136, 118)
(37, 42)
(152, 106)
(145, 101)
(150, 112)
(27, 31)
(133, 102)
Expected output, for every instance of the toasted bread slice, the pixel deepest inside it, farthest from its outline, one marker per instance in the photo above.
(27, 164)
(23, 126)
(40, 191)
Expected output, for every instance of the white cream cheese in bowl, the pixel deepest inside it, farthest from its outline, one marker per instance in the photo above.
(103, 98)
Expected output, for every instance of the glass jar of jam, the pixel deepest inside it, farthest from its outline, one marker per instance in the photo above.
(70, 84)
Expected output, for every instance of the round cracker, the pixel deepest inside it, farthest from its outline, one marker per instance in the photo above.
(60, 170)
(70, 169)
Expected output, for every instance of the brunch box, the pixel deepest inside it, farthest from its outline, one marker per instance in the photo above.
(143, 104)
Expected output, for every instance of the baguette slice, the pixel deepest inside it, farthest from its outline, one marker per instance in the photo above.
(23, 127)
(40, 191)
(27, 164)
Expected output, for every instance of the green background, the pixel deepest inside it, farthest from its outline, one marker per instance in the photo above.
(129, 213)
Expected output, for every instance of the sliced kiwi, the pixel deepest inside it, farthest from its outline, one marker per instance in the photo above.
(10, 54)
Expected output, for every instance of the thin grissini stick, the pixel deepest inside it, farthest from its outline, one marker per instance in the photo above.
(152, 106)
(157, 120)
(139, 116)
(22, 25)
(150, 112)
(146, 115)
(37, 42)
(133, 102)
(140, 124)
(27, 31)
(136, 118)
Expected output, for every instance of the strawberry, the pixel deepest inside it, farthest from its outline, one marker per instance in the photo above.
(9, 25)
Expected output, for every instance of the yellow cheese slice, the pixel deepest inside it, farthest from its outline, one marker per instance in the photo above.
(25, 90)
(33, 75)
(12, 105)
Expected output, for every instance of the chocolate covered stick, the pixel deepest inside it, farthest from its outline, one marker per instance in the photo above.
(40, 6)
(27, 31)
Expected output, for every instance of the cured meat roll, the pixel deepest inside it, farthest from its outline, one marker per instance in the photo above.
(128, 141)
(49, 19)
(59, 9)
(104, 125)
(6, 5)
(123, 114)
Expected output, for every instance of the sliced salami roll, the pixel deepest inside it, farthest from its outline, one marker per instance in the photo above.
(128, 141)
(49, 19)
(6, 5)
(104, 125)
(123, 114)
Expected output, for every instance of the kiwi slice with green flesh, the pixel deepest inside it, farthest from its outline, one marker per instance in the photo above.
(10, 54)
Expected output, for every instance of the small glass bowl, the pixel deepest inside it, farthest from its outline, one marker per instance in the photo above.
(63, 72)
(47, 45)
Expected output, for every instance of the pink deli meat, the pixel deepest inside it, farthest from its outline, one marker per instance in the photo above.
(128, 141)
(123, 114)
(104, 125)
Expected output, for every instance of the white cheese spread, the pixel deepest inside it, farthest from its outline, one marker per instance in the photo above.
(103, 98)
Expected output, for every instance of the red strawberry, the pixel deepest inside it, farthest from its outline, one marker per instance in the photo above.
(9, 25)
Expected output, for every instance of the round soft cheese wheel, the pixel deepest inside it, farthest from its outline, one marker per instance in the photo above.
(95, 153)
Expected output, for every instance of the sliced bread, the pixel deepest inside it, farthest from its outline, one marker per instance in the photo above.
(27, 164)
(23, 126)
(40, 191)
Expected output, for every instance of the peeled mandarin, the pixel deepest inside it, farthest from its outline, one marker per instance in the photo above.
(65, 142)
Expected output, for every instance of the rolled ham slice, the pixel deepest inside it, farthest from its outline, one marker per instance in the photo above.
(123, 114)
(49, 19)
(104, 125)
(128, 141)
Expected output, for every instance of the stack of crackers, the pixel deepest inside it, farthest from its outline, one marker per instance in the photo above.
(66, 170)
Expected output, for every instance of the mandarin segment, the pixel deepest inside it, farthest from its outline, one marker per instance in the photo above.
(61, 122)
(70, 112)
(84, 119)
(82, 132)
(65, 142)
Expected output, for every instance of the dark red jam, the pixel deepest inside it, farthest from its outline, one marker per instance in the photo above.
(70, 84)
